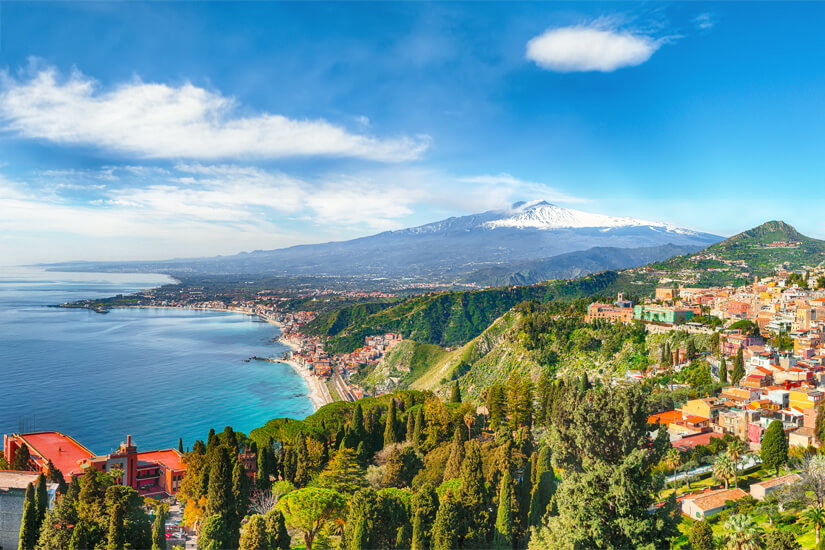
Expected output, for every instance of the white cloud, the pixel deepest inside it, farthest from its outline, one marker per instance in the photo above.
(704, 21)
(589, 48)
(152, 120)
(503, 188)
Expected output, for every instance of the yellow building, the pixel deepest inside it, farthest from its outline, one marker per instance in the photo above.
(803, 398)
(705, 408)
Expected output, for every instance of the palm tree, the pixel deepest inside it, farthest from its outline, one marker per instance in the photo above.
(724, 469)
(742, 533)
(816, 517)
(673, 459)
(736, 449)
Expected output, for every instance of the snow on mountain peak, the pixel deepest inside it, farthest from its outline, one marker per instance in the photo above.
(544, 215)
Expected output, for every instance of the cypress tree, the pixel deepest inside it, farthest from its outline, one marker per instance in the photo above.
(159, 530)
(410, 427)
(231, 441)
(503, 537)
(390, 435)
(473, 496)
(254, 535)
(424, 506)
(738, 368)
(418, 431)
(199, 447)
(545, 487)
(445, 535)
(221, 501)
(453, 467)
(41, 502)
(723, 371)
(418, 541)
(357, 423)
(276, 529)
(455, 395)
(28, 524)
(240, 490)
(180, 445)
(56, 476)
(691, 350)
(117, 529)
(211, 440)
(212, 534)
(80, 537)
(301, 462)
(394, 466)
(264, 467)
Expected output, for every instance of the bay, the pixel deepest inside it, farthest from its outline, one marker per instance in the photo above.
(157, 374)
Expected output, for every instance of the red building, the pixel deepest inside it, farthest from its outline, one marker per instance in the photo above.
(151, 473)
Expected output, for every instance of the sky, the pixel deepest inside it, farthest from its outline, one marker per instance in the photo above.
(159, 130)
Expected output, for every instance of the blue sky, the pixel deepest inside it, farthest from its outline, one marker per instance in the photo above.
(154, 130)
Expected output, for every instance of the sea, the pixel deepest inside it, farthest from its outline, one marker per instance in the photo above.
(155, 374)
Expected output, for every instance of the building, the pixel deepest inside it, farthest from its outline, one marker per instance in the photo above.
(803, 398)
(707, 504)
(614, 313)
(12, 495)
(761, 490)
(802, 437)
(661, 314)
(152, 473)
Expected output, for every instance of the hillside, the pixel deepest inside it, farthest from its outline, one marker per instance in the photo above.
(755, 252)
(453, 318)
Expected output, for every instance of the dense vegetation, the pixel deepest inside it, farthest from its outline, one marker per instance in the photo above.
(449, 318)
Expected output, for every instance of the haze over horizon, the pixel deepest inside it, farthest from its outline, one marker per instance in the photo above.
(135, 131)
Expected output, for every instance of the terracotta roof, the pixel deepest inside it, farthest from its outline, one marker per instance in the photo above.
(667, 417)
(715, 499)
(170, 458)
(781, 480)
(64, 452)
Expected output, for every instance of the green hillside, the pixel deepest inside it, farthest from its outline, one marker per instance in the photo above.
(755, 252)
(453, 318)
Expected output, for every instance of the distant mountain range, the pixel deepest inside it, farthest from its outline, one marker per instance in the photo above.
(526, 243)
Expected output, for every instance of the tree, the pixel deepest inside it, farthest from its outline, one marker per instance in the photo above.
(221, 496)
(738, 368)
(544, 487)
(212, 534)
(424, 509)
(410, 426)
(254, 536)
(28, 524)
(308, 510)
(41, 501)
(736, 449)
(455, 394)
(673, 459)
(445, 534)
(159, 529)
(453, 467)
(240, 490)
(180, 445)
(20, 461)
(723, 371)
(723, 469)
(503, 537)
(602, 442)
(742, 533)
(343, 474)
(418, 431)
(117, 528)
(701, 536)
(473, 496)
(276, 530)
(779, 539)
(815, 516)
(690, 351)
(390, 433)
(774, 451)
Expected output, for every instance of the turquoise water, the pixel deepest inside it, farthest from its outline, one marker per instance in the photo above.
(156, 374)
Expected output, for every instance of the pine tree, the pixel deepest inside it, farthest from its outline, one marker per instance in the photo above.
(723, 371)
(41, 502)
(445, 534)
(453, 467)
(738, 368)
(774, 450)
(544, 487)
(418, 431)
(455, 395)
(503, 537)
(28, 524)
(343, 474)
(20, 461)
(495, 405)
(543, 388)
(159, 529)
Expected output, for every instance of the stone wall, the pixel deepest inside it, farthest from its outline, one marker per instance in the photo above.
(11, 513)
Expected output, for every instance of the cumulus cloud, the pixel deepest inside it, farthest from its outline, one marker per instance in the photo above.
(590, 48)
(152, 120)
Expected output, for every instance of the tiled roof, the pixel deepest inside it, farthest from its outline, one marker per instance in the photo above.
(715, 499)
(773, 482)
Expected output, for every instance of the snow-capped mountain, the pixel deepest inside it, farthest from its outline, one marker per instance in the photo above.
(543, 215)
(552, 241)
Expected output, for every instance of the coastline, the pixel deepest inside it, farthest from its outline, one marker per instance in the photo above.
(318, 393)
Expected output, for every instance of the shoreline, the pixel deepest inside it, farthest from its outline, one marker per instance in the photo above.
(318, 393)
